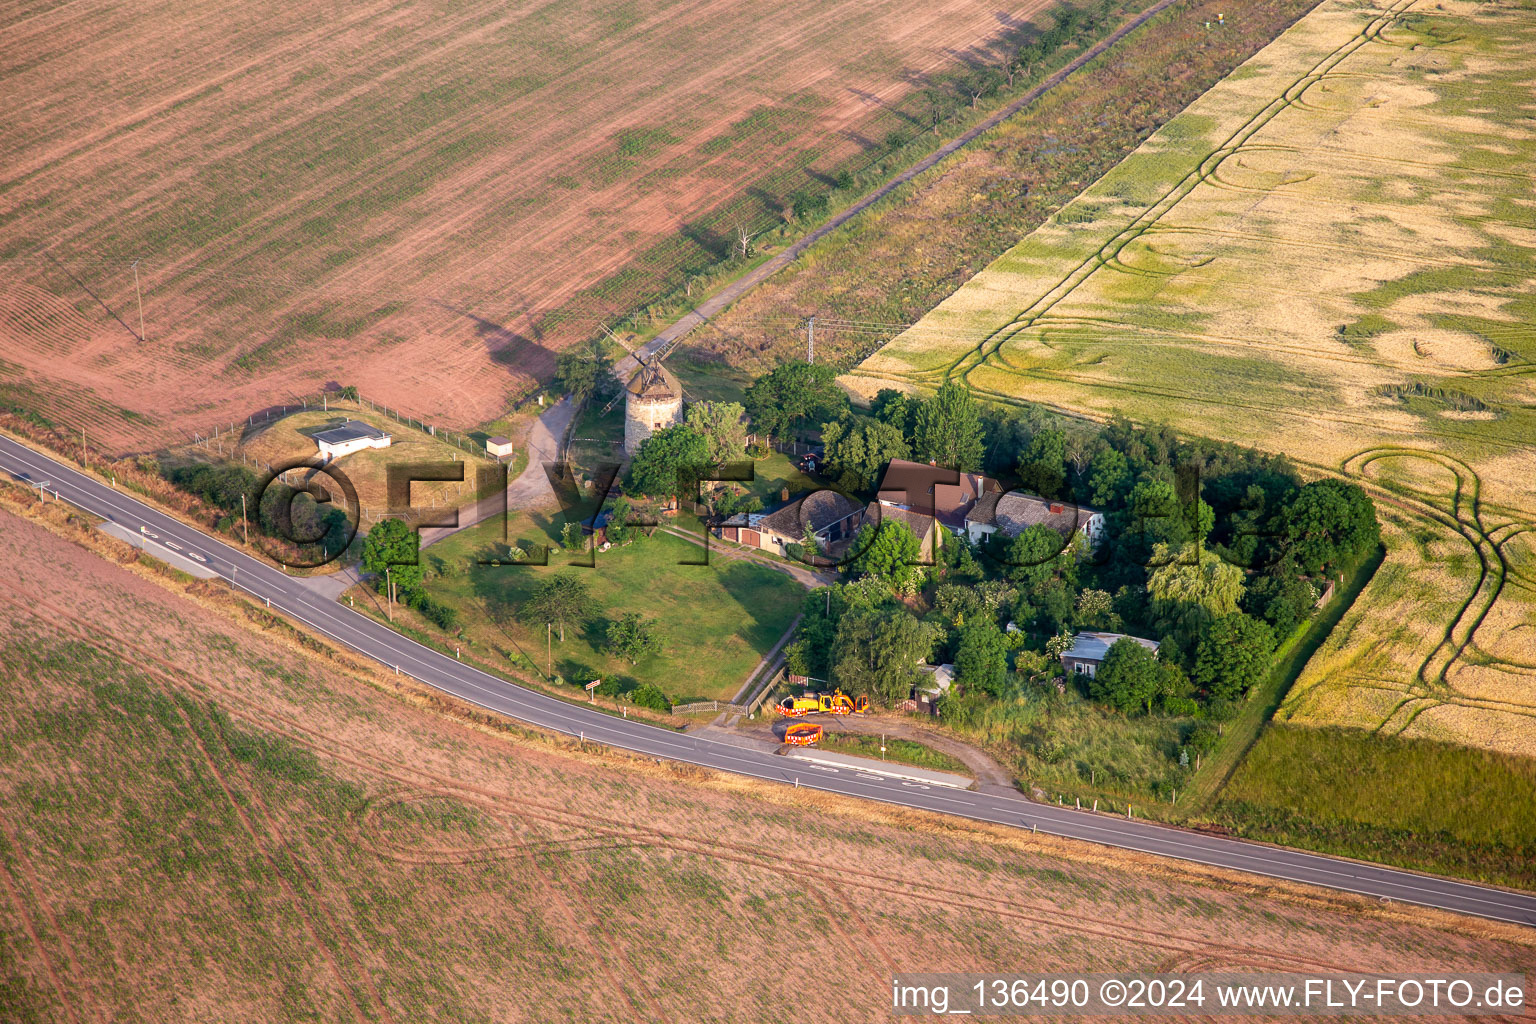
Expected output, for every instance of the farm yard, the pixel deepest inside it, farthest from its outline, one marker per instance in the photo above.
(423, 200)
(266, 833)
(1327, 255)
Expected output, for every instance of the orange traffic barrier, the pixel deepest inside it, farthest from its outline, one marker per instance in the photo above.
(802, 734)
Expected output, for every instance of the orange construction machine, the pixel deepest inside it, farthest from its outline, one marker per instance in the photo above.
(802, 734)
(794, 707)
(835, 703)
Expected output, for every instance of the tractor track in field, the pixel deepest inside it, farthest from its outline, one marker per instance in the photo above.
(1432, 686)
(985, 351)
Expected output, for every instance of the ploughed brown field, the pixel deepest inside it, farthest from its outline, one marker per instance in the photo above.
(199, 821)
(393, 194)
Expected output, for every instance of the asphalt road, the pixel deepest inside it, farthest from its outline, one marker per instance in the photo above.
(377, 641)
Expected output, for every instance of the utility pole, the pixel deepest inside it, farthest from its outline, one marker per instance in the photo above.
(549, 650)
(244, 526)
(389, 594)
(139, 296)
(85, 455)
(810, 340)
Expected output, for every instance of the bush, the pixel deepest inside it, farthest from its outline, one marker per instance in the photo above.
(443, 616)
(614, 686)
(1180, 707)
(649, 696)
(1202, 739)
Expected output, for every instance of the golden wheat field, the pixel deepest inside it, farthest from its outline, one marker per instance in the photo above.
(1329, 254)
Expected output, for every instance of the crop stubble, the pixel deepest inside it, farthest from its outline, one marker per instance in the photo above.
(349, 844)
(392, 195)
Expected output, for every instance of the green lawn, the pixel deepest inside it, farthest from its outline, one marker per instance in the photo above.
(717, 620)
(775, 473)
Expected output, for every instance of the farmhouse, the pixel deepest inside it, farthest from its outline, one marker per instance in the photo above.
(923, 527)
(830, 516)
(500, 447)
(1012, 513)
(351, 436)
(1089, 650)
(946, 495)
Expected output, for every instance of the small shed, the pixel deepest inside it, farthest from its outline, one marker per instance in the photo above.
(1089, 650)
(351, 436)
(934, 685)
(500, 447)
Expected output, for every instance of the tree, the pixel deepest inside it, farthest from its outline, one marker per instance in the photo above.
(877, 651)
(392, 545)
(632, 638)
(662, 464)
(1043, 469)
(560, 599)
(1191, 589)
(981, 662)
(1128, 677)
(1283, 601)
(895, 408)
(1039, 554)
(1096, 608)
(1327, 526)
(810, 542)
(887, 549)
(744, 240)
(1174, 690)
(720, 425)
(1109, 478)
(1159, 517)
(791, 393)
(581, 370)
(947, 429)
(1233, 656)
(571, 536)
(1060, 644)
(858, 448)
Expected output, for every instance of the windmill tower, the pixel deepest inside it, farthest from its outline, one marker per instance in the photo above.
(653, 400)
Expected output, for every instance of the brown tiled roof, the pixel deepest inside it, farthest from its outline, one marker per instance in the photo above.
(947, 493)
(1016, 512)
(984, 511)
(819, 509)
(919, 523)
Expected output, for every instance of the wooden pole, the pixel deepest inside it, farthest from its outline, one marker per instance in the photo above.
(245, 527)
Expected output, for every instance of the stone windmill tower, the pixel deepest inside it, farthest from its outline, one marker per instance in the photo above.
(653, 400)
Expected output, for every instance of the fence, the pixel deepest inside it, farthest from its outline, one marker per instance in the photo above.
(796, 448)
(749, 708)
(302, 403)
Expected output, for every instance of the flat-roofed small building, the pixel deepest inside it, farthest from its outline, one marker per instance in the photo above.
(351, 436)
(1089, 650)
(501, 447)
